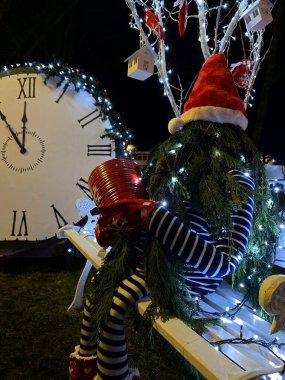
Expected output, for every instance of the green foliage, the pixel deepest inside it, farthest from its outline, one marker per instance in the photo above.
(116, 268)
(164, 289)
(198, 158)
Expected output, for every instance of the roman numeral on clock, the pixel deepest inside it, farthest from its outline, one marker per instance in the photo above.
(59, 218)
(19, 226)
(89, 118)
(27, 87)
(99, 150)
(82, 185)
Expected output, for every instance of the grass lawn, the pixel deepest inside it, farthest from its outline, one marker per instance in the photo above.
(37, 333)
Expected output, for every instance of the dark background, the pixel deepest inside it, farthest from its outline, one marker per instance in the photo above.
(94, 36)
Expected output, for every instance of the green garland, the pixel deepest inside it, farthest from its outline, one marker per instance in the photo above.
(116, 267)
(191, 165)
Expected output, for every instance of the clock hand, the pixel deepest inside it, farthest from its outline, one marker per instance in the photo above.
(3, 117)
(24, 128)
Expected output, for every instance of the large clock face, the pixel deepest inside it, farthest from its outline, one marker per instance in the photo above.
(50, 142)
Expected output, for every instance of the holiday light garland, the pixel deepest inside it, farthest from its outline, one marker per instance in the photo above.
(79, 80)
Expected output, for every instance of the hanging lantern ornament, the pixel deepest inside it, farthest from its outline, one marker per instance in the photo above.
(182, 16)
(152, 21)
(241, 72)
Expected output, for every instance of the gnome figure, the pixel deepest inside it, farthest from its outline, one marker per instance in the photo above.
(272, 299)
(206, 224)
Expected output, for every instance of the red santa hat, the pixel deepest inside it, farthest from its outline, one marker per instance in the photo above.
(213, 98)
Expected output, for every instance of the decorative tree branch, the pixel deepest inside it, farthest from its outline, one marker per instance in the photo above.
(202, 28)
(217, 26)
(211, 22)
(232, 25)
(256, 46)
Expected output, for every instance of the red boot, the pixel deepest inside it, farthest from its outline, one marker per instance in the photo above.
(134, 374)
(82, 367)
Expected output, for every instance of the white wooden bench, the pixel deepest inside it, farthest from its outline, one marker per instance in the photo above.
(230, 361)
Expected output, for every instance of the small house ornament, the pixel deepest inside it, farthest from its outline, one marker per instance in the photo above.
(141, 63)
(258, 15)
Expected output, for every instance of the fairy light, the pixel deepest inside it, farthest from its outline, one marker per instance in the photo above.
(238, 321)
(275, 376)
(225, 320)
(276, 189)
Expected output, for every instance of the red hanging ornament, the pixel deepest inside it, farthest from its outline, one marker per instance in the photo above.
(241, 72)
(152, 21)
(182, 17)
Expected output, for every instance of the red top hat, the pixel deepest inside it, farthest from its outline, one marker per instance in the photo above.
(116, 179)
(213, 98)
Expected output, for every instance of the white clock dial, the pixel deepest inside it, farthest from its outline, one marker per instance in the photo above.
(30, 159)
(50, 140)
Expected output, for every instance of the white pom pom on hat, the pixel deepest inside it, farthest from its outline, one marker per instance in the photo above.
(175, 125)
(213, 98)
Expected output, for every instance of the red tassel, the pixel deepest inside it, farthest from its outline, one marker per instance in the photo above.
(182, 18)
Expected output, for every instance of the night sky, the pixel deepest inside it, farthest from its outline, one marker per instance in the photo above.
(94, 36)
